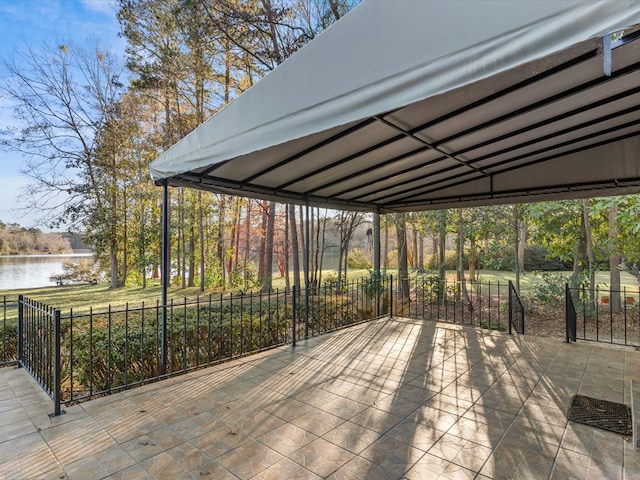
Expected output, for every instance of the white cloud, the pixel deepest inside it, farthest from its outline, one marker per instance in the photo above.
(105, 7)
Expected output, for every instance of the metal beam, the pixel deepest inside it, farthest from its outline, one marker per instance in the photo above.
(166, 272)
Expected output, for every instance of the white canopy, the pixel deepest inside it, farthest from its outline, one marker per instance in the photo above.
(413, 105)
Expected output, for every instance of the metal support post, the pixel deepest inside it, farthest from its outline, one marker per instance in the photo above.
(57, 365)
(293, 317)
(376, 258)
(20, 330)
(307, 247)
(166, 273)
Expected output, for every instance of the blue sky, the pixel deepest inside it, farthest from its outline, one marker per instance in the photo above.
(32, 22)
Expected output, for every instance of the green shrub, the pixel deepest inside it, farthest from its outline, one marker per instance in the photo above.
(358, 259)
(8, 341)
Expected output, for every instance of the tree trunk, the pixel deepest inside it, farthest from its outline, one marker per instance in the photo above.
(263, 242)
(303, 245)
(182, 240)
(589, 245)
(403, 267)
(201, 232)
(295, 246)
(232, 261)
(386, 243)
(113, 256)
(267, 284)
(142, 249)
(125, 241)
(414, 259)
(222, 212)
(421, 253)
(286, 250)
(321, 242)
(247, 244)
(473, 255)
(522, 244)
(192, 254)
(461, 279)
(236, 241)
(442, 240)
(614, 261)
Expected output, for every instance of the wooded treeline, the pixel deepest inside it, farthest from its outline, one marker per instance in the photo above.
(17, 240)
(89, 123)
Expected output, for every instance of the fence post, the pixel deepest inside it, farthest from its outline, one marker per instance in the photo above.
(57, 367)
(378, 280)
(390, 297)
(510, 306)
(20, 330)
(566, 312)
(293, 317)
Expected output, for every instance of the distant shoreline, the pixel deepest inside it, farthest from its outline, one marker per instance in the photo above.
(79, 253)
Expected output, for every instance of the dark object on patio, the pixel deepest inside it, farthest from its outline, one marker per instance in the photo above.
(615, 417)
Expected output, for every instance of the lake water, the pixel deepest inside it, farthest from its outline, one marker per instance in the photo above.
(31, 271)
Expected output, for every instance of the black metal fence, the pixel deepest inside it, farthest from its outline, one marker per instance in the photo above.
(571, 317)
(80, 355)
(481, 304)
(9, 333)
(39, 347)
(605, 315)
(516, 311)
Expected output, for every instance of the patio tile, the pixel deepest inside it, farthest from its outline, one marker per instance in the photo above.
(249, 459)
(376, 419)
(477, 432)
(359, 469)
(351, 436)
(219, 441)
(175, 462)
(415, 433)
(135, 472)
(321, 457)
(317, 421)
(386, 400)
(461, 452)
(286, 469)
(392, 455)
(287, 438)
(433, 467)
(100, 465)
(577, 465)
(344, 407)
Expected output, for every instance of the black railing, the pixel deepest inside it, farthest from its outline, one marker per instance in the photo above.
(481, 304)
(571, 317)
(81, 355)
(516, 310)
(605, 315)
(9, 333)
(39, 348)
(113, 349)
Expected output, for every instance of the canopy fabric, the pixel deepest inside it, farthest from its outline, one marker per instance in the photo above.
(414, 105)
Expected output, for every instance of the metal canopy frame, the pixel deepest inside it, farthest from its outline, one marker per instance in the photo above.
(554, 118)
(409, 159)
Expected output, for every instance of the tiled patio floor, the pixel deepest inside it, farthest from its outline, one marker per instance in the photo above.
(385, 400)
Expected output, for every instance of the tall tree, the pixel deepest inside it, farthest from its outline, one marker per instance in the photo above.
(403, 267)
(63, 95)
(614, 260)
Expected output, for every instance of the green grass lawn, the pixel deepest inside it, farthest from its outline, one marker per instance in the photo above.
(81, 297)
(530, 279)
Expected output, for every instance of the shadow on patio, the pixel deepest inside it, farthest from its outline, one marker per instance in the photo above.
(383, 400)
